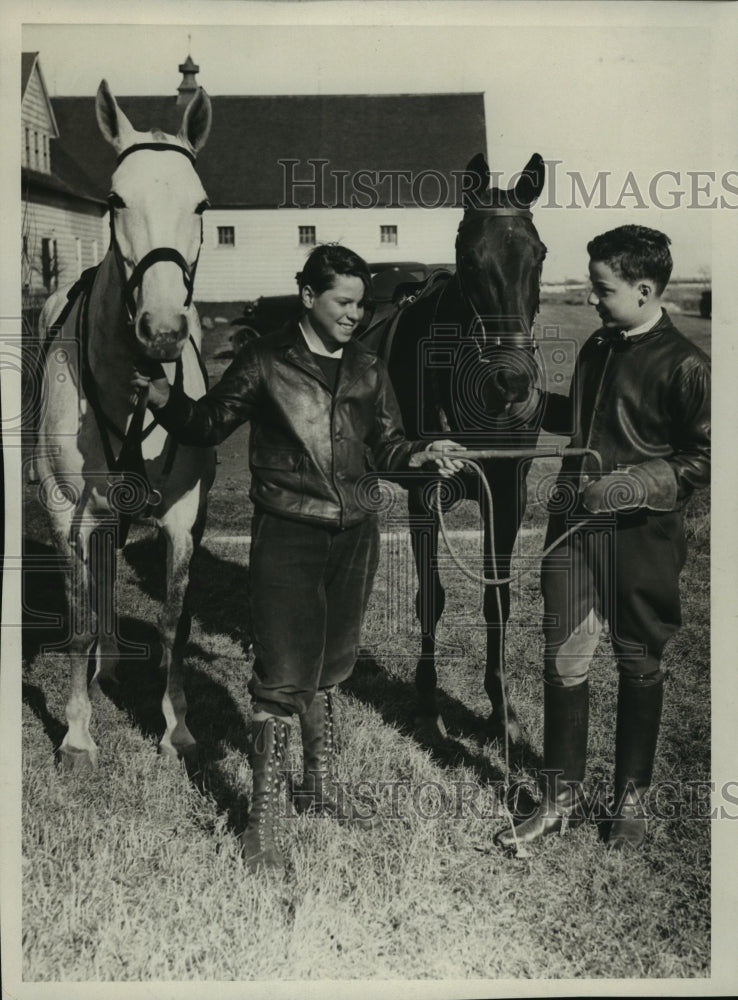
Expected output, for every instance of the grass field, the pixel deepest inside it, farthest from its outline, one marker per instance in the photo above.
(133, 873)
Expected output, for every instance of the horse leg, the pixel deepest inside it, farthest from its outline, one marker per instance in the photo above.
(506, 521)
(429, 604)
(78, 749)
(174, 631)
(103, 568)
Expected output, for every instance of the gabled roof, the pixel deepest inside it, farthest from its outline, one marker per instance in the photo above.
(240, 167)
(29, 62)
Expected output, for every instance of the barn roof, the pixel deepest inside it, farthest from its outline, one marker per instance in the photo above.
(240, 164)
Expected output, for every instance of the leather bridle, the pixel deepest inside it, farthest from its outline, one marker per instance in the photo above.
(496, 212)
(158, 254)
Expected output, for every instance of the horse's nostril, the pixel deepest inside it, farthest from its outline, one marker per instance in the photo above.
(144, 326)
(175, 328)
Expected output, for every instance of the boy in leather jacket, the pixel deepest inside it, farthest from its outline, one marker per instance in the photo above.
(322, 414)
(640, 398)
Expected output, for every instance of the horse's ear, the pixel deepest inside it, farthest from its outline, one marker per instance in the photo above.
(476, 180)
(113, 123)
(531, 181)
(198, 118)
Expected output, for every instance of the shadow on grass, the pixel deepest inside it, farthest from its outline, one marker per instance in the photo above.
(396, 701)
(218, 596)
(218, 593)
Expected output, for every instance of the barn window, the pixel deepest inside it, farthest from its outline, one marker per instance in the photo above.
(388, 234)
(45, 141)
(226, 236)
(35, 150)
(28, 147)
(306, 236)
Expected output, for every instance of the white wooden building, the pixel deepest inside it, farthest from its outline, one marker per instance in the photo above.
(62, 228)
(379, 174)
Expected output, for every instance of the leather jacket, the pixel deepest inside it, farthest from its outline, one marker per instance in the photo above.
(309, 448)
(638, 400)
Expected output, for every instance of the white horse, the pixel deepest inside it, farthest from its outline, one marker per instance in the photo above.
(101, 459)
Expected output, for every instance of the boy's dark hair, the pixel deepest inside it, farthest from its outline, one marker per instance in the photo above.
(635, 252)
(327, 261)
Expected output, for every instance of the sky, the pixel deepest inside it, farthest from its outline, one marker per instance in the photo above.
(620, 107)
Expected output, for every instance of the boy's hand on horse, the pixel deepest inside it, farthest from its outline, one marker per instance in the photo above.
(150, 375)
(436, 454)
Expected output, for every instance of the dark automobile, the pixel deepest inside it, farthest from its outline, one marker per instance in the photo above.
(706, 304)
(390, 281)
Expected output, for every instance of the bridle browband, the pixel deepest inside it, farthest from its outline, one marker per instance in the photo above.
(524, 213)
(158, 254)
(157, 147)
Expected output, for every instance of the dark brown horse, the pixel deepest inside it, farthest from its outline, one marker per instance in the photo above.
(462, 359)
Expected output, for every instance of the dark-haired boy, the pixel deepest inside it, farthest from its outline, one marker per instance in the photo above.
(640, 398)
(318, 402)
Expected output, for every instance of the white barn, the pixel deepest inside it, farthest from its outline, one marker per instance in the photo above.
(377, 173)
(62, 209)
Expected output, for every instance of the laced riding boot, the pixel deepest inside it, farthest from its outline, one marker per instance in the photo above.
(260, 841)
(565, 724)
(640, 700)
(319, 793)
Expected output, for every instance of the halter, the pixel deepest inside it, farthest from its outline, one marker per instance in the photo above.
(158, 254)
(496, 212)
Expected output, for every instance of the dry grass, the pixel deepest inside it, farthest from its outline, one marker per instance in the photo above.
(133, 873)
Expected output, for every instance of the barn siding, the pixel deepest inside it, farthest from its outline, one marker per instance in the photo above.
(266, 254)
(35, 116)
(66, 227)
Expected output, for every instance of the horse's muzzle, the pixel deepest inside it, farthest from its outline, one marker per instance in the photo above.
(161, 341)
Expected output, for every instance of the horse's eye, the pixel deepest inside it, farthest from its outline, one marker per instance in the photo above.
(115, 201)
(202, 206)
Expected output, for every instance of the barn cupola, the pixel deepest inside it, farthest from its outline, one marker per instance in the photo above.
(188, 86)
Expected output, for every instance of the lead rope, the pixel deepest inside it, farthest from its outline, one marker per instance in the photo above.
(496, 582)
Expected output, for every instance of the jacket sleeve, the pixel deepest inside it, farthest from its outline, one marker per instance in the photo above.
(210, 419)
(391, 449)
(557, 414)
(690, 406)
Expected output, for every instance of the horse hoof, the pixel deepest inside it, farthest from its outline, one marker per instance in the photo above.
(496, 727)
(77, 759)
(188, 753)
(430, 729)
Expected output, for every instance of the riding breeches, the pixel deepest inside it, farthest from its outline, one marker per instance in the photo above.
(309, 589)
(620, 568)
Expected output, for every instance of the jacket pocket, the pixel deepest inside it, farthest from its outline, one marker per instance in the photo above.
(286, 460)
(278, 479)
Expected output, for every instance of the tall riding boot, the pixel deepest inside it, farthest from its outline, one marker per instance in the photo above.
(319, 793)
(260, 846)
(639, 715)
(565, 725)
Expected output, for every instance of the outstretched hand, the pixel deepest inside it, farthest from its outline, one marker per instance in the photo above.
(150, 375)
(436, 454)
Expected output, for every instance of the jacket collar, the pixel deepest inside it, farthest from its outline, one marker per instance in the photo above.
(355, 361)
(606, 336)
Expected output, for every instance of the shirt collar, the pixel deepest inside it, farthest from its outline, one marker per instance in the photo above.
(644, 327)
(316, 345)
